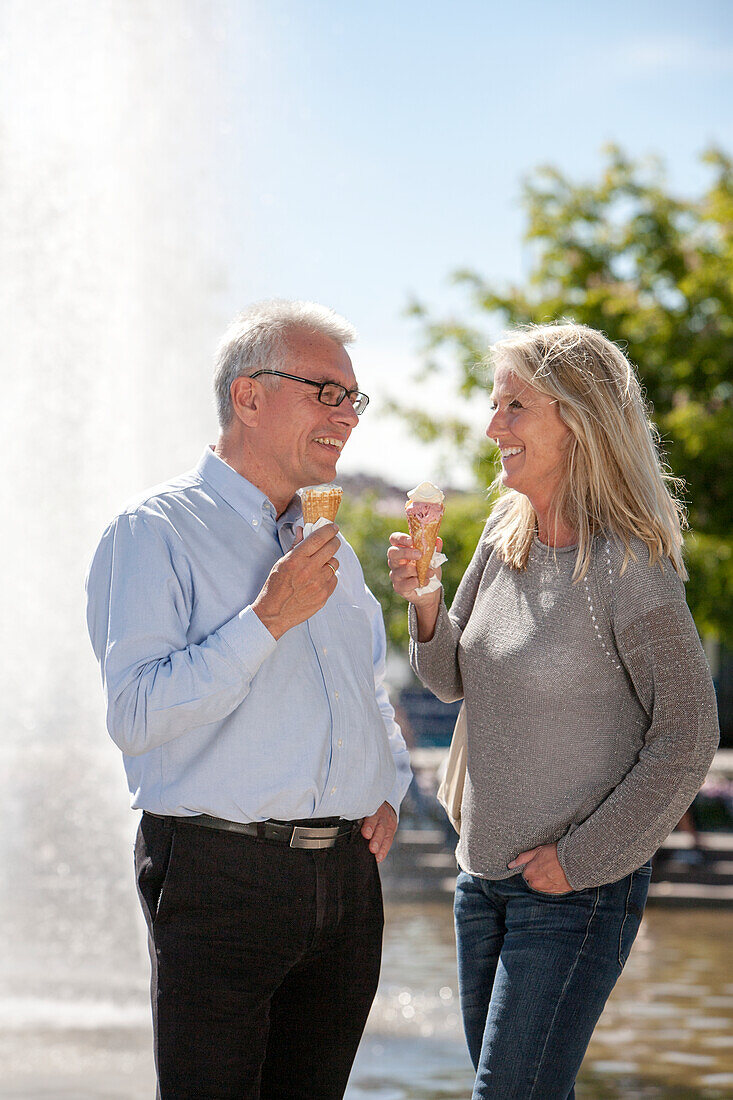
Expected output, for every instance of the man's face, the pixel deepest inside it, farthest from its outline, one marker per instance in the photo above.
(301, 438)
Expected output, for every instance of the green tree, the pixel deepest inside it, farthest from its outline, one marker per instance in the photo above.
(654, 271)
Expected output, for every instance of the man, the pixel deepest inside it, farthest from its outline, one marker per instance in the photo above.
(243, 673)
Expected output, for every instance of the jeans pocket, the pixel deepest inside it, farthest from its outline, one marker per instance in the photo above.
(544, 893)
(636, 895)
(547, 894)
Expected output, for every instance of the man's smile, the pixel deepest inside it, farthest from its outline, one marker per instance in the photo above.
(331, 443)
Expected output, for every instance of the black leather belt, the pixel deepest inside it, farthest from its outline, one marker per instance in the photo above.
(297, 835)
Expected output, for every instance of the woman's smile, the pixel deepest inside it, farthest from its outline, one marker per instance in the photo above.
(531, 436)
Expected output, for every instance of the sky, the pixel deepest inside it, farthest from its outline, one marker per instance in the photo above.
(371, 150)
(166, 164)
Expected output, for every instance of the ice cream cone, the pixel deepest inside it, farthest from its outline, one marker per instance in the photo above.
(424, 511)
(423, 537)
(322, 500)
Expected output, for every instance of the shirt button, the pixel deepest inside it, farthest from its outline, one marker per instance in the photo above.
(255, 522)
(335, 695)
(325, 651)
(340, 742)
(333, 790)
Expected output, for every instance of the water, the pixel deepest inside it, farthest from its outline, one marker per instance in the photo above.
(667, 1030)
(77, 1026)
(109, 227)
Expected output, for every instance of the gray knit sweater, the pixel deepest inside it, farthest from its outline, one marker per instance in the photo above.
(590, 709)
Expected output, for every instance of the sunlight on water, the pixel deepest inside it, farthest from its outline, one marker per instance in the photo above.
(666, 1031)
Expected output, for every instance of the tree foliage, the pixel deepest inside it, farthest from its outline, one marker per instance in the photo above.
(654, 271)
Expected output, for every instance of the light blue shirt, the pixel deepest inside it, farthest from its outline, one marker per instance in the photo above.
(211, 713)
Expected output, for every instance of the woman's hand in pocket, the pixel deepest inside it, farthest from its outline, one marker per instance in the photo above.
(541, 870)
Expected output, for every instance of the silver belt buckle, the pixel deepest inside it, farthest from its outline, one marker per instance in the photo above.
(305, 837)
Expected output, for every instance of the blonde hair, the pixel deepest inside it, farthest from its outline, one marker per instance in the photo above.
(615, 482)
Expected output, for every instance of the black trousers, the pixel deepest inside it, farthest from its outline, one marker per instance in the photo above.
(265, 961)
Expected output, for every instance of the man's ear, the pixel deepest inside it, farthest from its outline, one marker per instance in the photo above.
(246, 397)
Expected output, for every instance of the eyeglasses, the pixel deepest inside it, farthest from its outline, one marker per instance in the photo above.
(329, 393)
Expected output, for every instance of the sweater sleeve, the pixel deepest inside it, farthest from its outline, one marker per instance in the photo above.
(436, 661)
(665, 662)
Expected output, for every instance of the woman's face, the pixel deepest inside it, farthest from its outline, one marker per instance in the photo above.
(531, 436)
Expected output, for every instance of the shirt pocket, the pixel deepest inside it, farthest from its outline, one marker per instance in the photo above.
(359, 641)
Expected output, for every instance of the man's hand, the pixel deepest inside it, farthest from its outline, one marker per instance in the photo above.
(379, 829)
(542, 870)
(300, 582)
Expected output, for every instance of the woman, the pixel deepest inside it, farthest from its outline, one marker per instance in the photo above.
(590, 711)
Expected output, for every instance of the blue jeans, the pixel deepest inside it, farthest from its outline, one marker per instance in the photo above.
(534, 972)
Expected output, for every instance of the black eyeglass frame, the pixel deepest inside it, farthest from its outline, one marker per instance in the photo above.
(359, 400)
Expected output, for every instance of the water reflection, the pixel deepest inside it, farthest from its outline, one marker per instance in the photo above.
(76, 1028)
(666, 1031)
(669, 1020)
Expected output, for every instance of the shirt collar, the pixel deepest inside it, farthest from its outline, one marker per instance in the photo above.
(244, 497)
(292, 516)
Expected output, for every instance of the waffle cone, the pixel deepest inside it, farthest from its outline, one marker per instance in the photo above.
(320, 502)
(423, 537)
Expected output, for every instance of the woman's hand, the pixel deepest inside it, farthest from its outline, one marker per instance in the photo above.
(401, 558)
(541, 870)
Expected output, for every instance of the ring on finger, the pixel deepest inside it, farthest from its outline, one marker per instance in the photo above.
(331, 568)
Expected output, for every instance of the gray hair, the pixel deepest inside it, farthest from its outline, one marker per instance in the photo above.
(257, 339)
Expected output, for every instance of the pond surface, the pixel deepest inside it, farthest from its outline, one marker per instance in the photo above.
(667, 1030)
(70, 1032)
